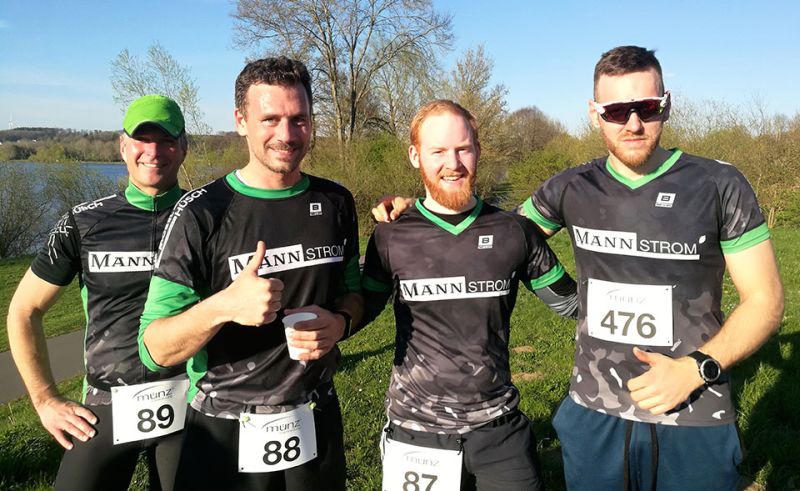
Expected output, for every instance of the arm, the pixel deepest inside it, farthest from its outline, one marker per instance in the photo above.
(250, 300)
(754, 272)
(62, 418)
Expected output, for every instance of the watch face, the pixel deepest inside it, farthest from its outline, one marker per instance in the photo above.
(710, 370)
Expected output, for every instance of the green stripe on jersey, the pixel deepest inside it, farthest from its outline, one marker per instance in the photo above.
(196, 368)
(637, 183)
(746, 240)
(246, 190)
(352, 275)
(374, 285)
(85, 301)
(547, 279)
(532, 213)
(144, 201)
(164, 299)
(453, 229)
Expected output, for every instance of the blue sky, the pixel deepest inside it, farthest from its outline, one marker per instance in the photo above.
(55, 55)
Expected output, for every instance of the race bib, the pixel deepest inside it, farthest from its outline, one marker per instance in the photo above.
(630, 314)
(411, 468)
(274, 442)
(148, 410)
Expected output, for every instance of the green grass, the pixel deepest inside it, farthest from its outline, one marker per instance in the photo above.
(768, 393)
(65, 316)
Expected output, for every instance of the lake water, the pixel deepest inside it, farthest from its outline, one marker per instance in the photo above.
(114, 172)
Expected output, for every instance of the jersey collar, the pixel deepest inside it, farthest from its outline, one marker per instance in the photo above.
(144, 201)
(246, 190)
(637, 183)
(453, 229)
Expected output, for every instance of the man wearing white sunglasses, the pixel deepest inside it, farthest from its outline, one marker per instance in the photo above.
(653, 230)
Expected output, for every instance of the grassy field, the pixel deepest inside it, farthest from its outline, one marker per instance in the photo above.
(65, 316)
(767, 391)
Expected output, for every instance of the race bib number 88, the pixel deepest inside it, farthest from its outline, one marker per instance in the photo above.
(274, 442)
(630, 313)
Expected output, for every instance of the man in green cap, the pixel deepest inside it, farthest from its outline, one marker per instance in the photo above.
(110, 244)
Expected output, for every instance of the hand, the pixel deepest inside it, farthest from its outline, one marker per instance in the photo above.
(667, 383)
(319, 335)
(252, 300)
(65, 419)
(390, 207)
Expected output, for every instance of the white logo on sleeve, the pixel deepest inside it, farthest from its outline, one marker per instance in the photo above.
(665, 200)
(485, 241)
(315, 209)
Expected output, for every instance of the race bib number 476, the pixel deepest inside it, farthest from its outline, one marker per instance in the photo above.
(148, 410)
(630, 313)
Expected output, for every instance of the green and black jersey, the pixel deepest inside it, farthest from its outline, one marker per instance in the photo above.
(110, 243)
(650, 259)
(454, 288)
(311, 234)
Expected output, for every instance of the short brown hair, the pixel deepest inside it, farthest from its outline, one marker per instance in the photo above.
(623, 60)
(441, 106)
(271, 71)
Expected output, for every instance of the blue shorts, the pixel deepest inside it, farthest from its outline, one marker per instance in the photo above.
(656, 456)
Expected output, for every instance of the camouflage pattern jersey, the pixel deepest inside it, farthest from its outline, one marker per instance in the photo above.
(110, 243)
(454, 286)
(311, 234)
(650, 259)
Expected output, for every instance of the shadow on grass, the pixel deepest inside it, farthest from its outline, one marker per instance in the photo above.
(26, 454)
(350, 360)
(770, 428)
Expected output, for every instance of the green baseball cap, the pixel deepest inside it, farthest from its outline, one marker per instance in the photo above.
(154, 109)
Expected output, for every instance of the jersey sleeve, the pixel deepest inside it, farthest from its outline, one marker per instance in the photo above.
(377, 280)
(60, 259)
(742, 224)
(180, 279)
(352, 271)
(544, 205)
(541, 268)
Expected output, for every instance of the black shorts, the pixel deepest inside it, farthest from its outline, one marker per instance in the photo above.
(211, 447)
(99, 464)
(498, 456)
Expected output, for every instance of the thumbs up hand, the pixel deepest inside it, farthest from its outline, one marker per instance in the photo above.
(667, 383)
(252, 300)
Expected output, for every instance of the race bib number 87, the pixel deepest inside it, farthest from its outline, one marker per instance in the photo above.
(412, 468)
(630, 313)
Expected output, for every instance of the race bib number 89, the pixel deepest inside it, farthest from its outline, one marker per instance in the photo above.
(629, 313)
(148, 410)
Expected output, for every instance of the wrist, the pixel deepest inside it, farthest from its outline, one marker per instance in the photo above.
(708, 369)
(348, 321)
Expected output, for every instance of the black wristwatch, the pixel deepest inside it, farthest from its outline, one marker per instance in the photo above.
(709, 367)
(348, 320)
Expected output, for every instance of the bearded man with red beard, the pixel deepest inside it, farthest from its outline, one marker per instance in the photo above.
(454, 264)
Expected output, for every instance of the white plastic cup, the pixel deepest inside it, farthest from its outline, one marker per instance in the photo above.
(288, 327)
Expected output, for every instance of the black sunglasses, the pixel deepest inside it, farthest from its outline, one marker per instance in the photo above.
(648, 109)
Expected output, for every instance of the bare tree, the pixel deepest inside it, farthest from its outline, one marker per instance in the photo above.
(160, 73)
(531, 130)
(346, 43)
(469, 84)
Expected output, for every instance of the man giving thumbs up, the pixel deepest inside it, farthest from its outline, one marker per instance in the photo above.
(235, 254)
